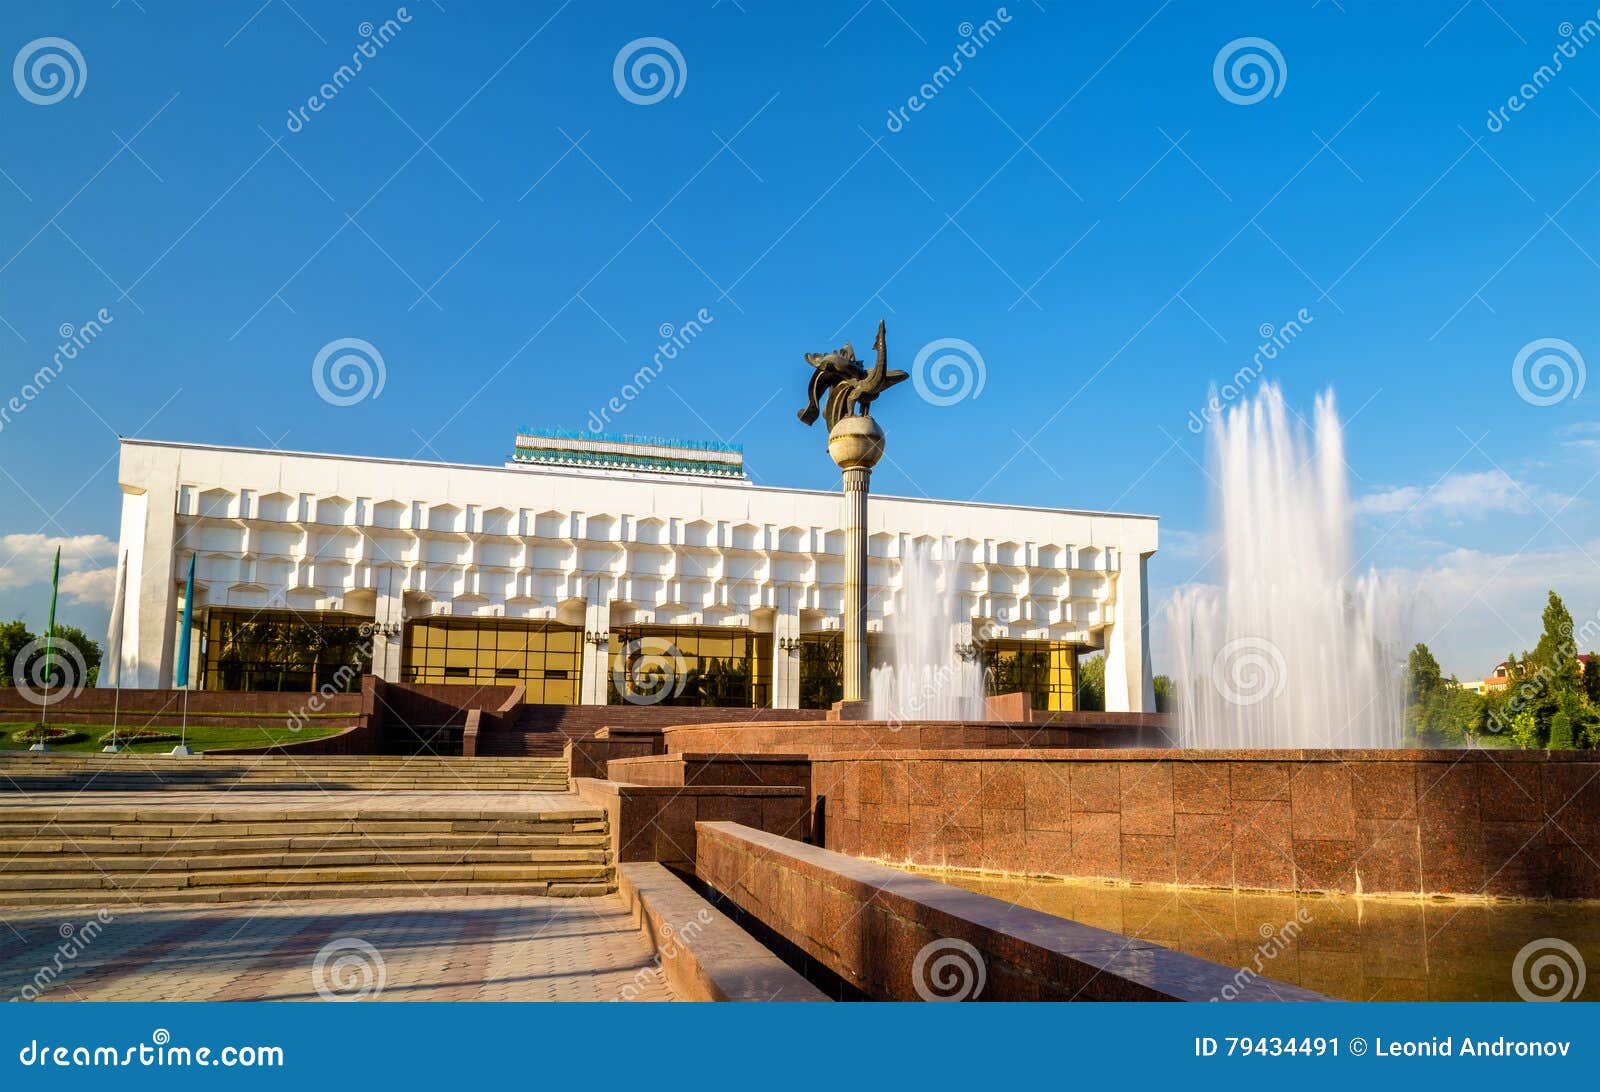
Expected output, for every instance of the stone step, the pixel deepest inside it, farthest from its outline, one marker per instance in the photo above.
(94, 880)
(90, 815)
(203, 843)
(314, 857)
(133, 880)
(205, 777)
(241, 761)
(202, 837)
(299, 891)
(37, 785)
(45, 772)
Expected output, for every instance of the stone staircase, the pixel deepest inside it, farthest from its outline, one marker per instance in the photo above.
(253, 846)
(28, 772)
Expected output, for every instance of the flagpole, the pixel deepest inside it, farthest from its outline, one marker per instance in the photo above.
(114, 652)
(49, 655)
(183, 659)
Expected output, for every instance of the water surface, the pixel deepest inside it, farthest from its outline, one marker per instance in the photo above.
(1357, 949)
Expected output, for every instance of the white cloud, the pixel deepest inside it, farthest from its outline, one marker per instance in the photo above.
(91, 587)
(1460, 496)
(1474, 607)
(1188, 545)
(26, 559)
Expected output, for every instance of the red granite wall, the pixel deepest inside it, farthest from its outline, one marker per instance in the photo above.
(892, 936)
(681, 769)
(1499, 823)
(1087, 730)
(657, 822)
(160, 708)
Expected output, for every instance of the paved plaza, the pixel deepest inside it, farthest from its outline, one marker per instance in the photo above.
(424, 949)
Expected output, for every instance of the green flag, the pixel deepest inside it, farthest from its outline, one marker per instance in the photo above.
(50, 630)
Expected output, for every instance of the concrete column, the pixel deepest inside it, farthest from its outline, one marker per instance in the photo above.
(857, 481)
(149, 480)
(596, 658)
(388, 652)
(785, 665)
(1129, 685)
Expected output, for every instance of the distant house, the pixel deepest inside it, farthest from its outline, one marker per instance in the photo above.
(1498, 679)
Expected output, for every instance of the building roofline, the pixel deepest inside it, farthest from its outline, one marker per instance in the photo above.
(704, 483)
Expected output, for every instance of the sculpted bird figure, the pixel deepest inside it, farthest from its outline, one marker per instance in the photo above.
(848, 386)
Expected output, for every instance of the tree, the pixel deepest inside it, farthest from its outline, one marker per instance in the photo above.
(86, 647)
(13, 637)
(70, 644)
(1092, 683)
(1162, 684)
(1525, 730)
(1591, 680)
(1423, 676)
(1554, 654)
(1561, 731)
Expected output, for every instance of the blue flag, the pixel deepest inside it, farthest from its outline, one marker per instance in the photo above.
(181, 672)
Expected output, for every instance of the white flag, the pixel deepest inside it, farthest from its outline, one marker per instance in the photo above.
(111, 669)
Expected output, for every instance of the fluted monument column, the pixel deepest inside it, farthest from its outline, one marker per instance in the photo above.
(856, 444)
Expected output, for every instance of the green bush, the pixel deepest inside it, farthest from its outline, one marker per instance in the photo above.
(40, 734)
(137, 735)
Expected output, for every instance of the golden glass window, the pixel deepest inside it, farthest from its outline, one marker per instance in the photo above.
(542, 657)
(285, 650)
(687, 665)
(1047, 671)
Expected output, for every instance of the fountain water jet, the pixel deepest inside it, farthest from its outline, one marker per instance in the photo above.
(1289, 650)
(925, 679)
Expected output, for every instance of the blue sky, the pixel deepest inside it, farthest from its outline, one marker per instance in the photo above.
(1080, 203)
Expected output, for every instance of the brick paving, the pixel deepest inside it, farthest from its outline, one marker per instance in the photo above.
(483, 948)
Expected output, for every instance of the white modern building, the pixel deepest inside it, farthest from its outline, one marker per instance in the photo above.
(583, 553)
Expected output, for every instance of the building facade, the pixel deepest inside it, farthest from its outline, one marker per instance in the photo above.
(592, 569)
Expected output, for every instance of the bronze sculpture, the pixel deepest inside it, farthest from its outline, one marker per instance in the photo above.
(849, 387)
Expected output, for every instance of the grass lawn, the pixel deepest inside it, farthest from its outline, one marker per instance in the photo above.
(200, 737)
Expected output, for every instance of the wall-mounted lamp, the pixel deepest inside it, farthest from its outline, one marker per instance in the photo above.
(596, 638)
(968, 652)
(789, 644)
